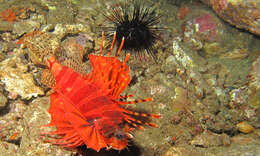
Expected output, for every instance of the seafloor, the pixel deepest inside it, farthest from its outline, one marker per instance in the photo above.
(205, 81)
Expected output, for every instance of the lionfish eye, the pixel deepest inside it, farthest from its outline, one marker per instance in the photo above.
(119, 135)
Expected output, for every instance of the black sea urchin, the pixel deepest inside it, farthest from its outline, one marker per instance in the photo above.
(138, 24)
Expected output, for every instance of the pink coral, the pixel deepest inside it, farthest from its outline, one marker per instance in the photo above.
(205, 23)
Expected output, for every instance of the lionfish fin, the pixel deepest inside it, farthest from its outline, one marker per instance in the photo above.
(72, 58)
(48, 79)
(135, 101)
(87, 131)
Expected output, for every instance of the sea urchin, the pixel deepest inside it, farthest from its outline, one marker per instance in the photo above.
(138, 25)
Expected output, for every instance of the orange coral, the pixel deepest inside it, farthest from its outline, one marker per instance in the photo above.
(8, 15)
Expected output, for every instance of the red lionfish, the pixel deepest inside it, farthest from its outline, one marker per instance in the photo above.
(87, 109)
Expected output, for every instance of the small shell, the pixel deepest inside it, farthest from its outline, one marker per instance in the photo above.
(244, 127)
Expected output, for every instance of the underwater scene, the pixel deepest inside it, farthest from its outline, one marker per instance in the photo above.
(129, 78)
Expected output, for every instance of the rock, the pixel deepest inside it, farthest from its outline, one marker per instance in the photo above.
(203, 27)
(257, 131)
(11, 127)
(7, 149)
(244, 140)
(60, 30)
(242, 14)
(193, 64)
(25, 26)
(18, 107)
(180, 100)
(41, 45)
(13, 75)
(208, 139)
(3, 100)
(6, 26)
(244, 127)
(254, 84)
(62, 15)
(225, 139)
(238, 53)
(213, 49)
(31, 142)
(182, 151)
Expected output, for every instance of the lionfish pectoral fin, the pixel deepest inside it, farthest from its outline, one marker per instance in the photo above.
(96, 141)
(47, 78)
(87, 132)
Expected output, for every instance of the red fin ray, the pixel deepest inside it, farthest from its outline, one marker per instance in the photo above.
(111, 70)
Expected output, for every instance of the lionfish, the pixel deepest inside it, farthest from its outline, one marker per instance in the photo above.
(88, 109)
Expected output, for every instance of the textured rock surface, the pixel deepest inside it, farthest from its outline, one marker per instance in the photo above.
(3, 100)
(31, 141)
(242, 14)
(16, 79)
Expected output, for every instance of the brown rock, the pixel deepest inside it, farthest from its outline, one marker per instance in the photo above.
(242, 14)
(182, 151)
(244, 127)
(207, 139)
(3, 100)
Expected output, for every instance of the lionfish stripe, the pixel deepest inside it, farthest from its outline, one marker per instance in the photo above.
(125, 96)
(142, 114)
(152, 125)
(133, 122)
(64, 76)
(135, 101)
(70, 140)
